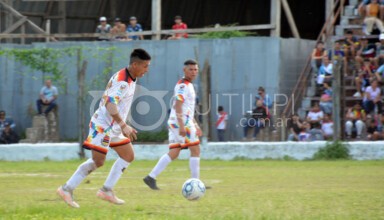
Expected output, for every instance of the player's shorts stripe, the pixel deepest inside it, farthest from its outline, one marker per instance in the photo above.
(120, 143)
(190, 144)
(171, 146)
(99, 149)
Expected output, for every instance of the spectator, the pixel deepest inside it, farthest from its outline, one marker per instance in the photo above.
(326, 104)
(363, 51)
(327, 126)
(379, 59)
(267, 103)
(350, 44)
(372, 17)
(221, 123)
(355, 119)
(325, 71)
(317, 56)
(304, 135)
(179, 25)
(316, 134)
(119, 31)
(362, 8)
(315, 115)
(372, 98)
(365, 75)
(48, 96)
(104, 29)
(295, 125)
(8, 136)
(134, 27)
(4, 120)
(339, 56)
(379, 74)
(372, 131)
(257, 121)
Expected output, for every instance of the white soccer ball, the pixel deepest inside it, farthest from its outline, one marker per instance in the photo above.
(193, 189)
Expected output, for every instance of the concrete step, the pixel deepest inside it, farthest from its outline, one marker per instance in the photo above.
(349, 10)
(353, 2)
(35, 134)
(357, 29)
(39, 121)
(351, 20)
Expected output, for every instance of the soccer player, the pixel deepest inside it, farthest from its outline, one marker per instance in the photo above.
(183, 130)
(108, 129)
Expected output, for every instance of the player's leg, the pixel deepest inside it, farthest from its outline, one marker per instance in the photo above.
(126, 156)
(194, 161)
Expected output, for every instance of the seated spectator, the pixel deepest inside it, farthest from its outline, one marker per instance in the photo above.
(362, 8)
(304, 135)
(372, 17)
(372, 98)
(221, 123)
(372, 131)
(179, 25)
(363, 51)
(257, 121)
(379, 74)
(350, 44)
(317, 56)
(267, 103)
(48, 96)
(355, 119)
(8, 136)
(316, 134)
(327, 126)
(294, 126)
(4, 120)
(339, 56)
(326, 104)
(134, 27)
(325, 71)
(119, 31)
(315, 115)
(379, 59)
(365, 75)
(104, 29)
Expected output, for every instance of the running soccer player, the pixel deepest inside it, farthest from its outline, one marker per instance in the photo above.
(109, 129)
(183, 131)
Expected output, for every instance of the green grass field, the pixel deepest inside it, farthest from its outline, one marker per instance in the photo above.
(241, 190)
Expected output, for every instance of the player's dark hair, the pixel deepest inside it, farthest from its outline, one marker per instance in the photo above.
(190, 62)
(139, 55)
(220, 108)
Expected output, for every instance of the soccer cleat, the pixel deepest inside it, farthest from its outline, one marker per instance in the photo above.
(109, 196)
(151, 182)
(67, 196)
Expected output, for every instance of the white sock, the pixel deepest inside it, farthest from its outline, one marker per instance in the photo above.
(82, 171)
(160, 166)
(115, 173)
(194, 165)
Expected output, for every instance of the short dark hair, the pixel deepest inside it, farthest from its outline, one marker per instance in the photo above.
(220, 108)
(178, 17)
(261, 89)
(190, 62)
(349, 32)
(139, 55)
(2, 112)
(319, 42)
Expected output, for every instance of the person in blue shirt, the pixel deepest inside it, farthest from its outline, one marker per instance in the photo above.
(134, 27)
(48, 96)
(5, 121)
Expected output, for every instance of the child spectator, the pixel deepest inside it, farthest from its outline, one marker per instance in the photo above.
(372, 98)
(373, 132)
(304, 135)
(327, 126)
(295, 125)
(104, 29)
(316, 134)
(179, 25)
(350, 44)
(221, 123)
(365, 75)
(315, 115)
(338, 56)
(134, 27)
(371, 18)
(355, 118)
(317, 56)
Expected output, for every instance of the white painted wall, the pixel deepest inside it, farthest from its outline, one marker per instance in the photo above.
(214, 150)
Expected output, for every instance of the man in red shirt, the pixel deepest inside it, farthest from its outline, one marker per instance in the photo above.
(179, 25)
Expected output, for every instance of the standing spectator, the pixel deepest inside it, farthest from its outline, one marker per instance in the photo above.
(179, 25)
(295, 125)
(104, 29)
(267, 103)
(372, 98)
(119, 30)
(355, 118)
(365, 75)
(316, 134)
(134, 27)
(260, 115)
(325, 71)
(221, 123)
(317, 56)
(48, 96)
(372, 17)
(327, 126)
(4, 120)
(326, 104)
(315, 115)
(350, 44)
(8, 136)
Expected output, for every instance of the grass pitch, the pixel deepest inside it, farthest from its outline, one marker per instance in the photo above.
(241, 190)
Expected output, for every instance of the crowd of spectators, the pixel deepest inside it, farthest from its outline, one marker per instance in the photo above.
(123, 32)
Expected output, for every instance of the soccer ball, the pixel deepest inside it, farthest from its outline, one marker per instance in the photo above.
(193, 189)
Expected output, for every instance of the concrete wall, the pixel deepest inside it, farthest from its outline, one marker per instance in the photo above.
(239, 66)
(210, 151)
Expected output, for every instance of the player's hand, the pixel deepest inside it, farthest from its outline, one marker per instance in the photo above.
(199, 132)
(129, 132)
(182, 131)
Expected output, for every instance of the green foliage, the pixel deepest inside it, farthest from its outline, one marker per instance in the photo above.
(147, 136)
(333, 151)
(223, 34)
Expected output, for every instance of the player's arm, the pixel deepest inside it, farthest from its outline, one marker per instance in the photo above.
(127, 131)
(179, 116)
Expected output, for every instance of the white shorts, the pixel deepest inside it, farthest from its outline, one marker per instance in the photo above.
(100, 139)
(177, 141)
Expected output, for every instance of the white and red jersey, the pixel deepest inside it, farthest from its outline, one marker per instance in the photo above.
(221, 120)
(184, 92)
(120, 90)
